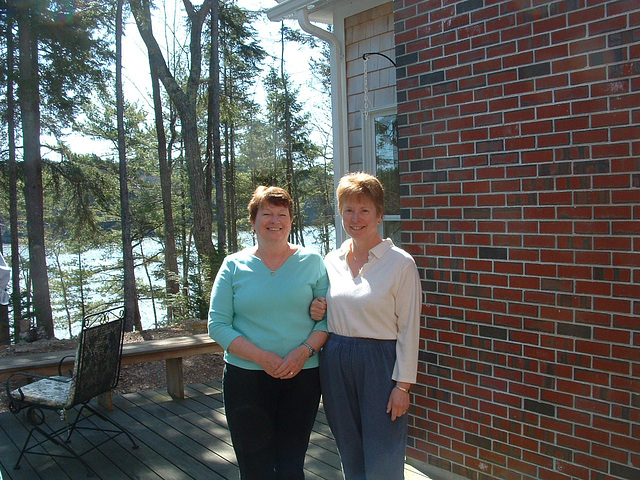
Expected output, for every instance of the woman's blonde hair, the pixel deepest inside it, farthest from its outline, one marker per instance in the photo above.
(273, 195)
(361, 184)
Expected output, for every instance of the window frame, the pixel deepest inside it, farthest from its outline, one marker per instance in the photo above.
(369, 159)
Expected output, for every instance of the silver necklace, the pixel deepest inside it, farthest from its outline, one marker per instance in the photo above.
(272, 271)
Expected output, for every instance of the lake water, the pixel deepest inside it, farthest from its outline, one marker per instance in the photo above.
(106, 258)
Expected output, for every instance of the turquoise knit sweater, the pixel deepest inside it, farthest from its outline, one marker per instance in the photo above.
(271, 311)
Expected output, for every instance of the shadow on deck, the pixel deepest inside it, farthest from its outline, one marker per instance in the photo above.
(177, 440)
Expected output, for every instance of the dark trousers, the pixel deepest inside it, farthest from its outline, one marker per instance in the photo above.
(270, 421)
(356, 383)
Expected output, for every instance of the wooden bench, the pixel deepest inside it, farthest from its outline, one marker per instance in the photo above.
(171, 350)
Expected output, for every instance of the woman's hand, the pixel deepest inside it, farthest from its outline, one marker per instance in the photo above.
(270, 362)
(292, 363)
(399, 401)
(318, 308)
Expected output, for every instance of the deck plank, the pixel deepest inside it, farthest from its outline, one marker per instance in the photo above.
(178, 440)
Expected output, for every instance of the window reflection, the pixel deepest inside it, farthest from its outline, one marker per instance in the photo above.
(387, 171)
(392, 229)
(386, 148)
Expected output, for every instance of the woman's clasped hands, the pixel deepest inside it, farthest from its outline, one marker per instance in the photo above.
(284, 368)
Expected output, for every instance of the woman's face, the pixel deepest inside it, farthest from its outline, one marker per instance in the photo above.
(359, 218)
(272, 223)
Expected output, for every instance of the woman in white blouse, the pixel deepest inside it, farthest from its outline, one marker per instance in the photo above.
(369, 363)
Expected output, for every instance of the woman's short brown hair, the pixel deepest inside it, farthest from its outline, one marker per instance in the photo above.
(361, 184)
(273, 195)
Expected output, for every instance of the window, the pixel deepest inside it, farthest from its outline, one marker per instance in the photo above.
(382, 160)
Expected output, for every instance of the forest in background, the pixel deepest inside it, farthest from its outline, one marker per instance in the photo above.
(179, 174)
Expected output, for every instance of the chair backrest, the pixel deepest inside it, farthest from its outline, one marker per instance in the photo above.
(97, 365)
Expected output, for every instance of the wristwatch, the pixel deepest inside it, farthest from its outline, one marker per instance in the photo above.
(312, 351)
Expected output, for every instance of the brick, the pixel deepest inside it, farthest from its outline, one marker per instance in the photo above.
(621, 6)
(587, 15)
(588, 76)
(555, 51)
(590, 136)
(619, 367)
(607, 25)
(553, 81)
(617, 455)
(587, 44)
(536, 98)
(591, 462)
(571, 64)
(609, 119)
(571, 93)
(624, 471)
(534, 42)
(518, 31)
(532, 71)
(567, 34)
(568, 125)
(552, 111)
(571, 468)
(539, 407)
(589, 106)
(432, 78)
(500, 49)
(627, 133)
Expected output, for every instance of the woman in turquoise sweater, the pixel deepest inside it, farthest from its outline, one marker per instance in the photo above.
(259, 313)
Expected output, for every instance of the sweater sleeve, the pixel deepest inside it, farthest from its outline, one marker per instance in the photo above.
(408, 307)
(320, 290)
(221, 307)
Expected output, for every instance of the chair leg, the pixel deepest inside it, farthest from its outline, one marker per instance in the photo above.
(99, 414)
(52, 437)
(24, 447)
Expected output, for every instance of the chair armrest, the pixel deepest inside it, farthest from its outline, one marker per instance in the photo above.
(61, 362)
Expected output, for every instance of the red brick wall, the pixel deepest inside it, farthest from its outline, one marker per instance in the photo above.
(519, 146)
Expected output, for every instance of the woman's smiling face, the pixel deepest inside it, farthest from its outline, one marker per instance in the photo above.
(272, 222)
(360, 218)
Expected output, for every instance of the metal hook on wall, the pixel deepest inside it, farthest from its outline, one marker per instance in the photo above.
(365, 55)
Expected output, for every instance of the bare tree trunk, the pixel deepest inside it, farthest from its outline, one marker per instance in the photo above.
(171, 272)
(65, 296)
(213, 125)
(13, 185)
(83, 311)
(131, 309)
(291, 183)
(5, 336)
(233, 204)
(29, 99)
(152, 292)
(328, 211)
(228, 181)
(185, 103)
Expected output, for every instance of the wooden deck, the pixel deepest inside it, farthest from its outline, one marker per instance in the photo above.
(178, 439)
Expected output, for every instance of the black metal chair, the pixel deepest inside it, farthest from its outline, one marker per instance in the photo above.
(96, 371)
